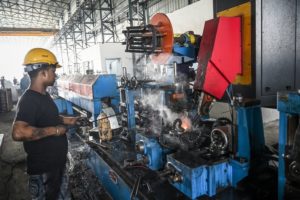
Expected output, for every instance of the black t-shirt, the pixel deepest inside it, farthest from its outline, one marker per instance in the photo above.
(48, 153)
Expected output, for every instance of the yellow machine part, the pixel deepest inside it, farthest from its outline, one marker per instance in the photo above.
(243, 10)
(105, 132)
(191, 37)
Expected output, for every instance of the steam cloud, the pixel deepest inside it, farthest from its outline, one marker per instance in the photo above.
(156, 101)
(159, 73)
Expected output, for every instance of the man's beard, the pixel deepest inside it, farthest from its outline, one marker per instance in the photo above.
(50, 83)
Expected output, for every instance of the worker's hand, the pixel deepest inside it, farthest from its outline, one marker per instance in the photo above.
(65, 120)
(61, 130)
(82, 121)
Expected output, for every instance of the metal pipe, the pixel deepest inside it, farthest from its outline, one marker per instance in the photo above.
(124, 72)
(175, 70)
(135, 188)
(80, 111)
(111, 115)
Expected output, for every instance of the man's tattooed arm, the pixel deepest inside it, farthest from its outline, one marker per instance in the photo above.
(23, 132)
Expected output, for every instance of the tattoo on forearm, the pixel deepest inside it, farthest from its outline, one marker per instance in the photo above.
(38, 133)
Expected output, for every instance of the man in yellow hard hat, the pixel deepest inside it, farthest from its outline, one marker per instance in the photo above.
(42, 130)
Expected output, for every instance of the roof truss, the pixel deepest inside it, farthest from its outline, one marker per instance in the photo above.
(31, 13)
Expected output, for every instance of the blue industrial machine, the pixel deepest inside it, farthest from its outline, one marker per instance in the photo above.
(203, 173)
(150, 152)
(211, 155)
(198, 162)
(120, 168)
(186, 44)
(200, 177)
(198, 166)
(288, 104)
(135, 120)
(87, 92)
(165, 148)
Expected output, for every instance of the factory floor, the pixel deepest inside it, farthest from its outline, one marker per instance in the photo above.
(13, 177)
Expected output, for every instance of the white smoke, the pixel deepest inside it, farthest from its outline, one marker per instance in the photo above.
(156, 101)
(158, 73)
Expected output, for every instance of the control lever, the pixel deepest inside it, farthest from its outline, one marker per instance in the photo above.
(135, 188)
(117, 114)
(149, 187)
(82, 121)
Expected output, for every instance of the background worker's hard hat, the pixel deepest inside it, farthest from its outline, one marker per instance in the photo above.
(40, 55)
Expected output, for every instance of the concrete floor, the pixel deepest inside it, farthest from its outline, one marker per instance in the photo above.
(13, 177)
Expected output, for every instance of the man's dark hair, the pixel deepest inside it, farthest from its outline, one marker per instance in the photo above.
(33, 74)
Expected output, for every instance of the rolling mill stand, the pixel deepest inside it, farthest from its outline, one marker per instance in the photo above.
(288, 104)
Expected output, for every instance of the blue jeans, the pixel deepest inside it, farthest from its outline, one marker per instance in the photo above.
(50, 186)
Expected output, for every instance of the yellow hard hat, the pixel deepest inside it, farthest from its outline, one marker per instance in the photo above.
(39, 56)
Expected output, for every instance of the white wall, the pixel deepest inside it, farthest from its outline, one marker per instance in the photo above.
(92, 54)
(99, 52)
(116, 50)
(189, 18)
(192, 17)
(269, 114)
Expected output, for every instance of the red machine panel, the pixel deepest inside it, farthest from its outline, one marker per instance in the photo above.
(86, 85)
(74, 83)
(219, 57)
(79, 84)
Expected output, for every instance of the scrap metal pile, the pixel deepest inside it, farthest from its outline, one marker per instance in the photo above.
(83, 183)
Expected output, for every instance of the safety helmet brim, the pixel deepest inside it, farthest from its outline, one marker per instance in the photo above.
(40, 55)
(29, 68)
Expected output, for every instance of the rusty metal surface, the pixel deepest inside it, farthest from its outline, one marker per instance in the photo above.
(164, 26)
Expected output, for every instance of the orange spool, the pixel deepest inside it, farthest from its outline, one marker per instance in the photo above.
(164, 27)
